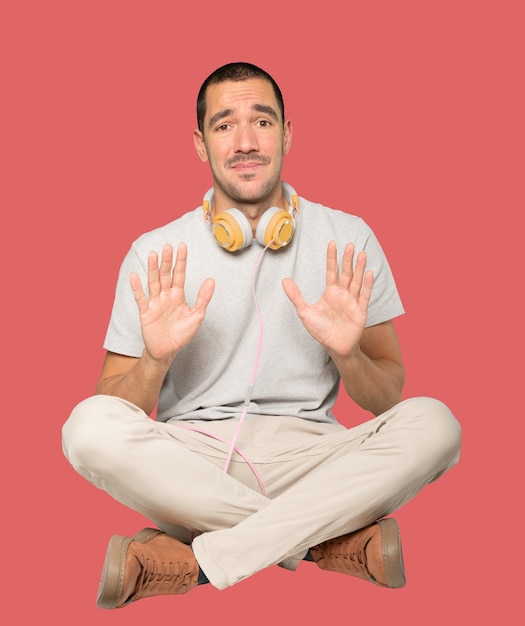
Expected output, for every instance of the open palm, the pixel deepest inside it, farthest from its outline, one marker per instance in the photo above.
(168, 323)
(337, 320)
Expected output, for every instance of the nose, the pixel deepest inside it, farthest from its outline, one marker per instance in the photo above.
(246, 139)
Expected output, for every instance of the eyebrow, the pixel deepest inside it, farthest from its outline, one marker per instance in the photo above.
(260, 108)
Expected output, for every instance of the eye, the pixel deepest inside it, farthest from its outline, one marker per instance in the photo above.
(264, 123)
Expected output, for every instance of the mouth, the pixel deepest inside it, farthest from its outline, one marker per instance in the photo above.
(246, 167)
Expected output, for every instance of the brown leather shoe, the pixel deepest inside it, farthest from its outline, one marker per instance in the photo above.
(372, 553)
(148, 564)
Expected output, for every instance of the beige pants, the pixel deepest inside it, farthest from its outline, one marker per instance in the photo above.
(318, 480)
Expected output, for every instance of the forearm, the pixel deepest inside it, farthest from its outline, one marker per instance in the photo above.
(139, 385)
(375, 385)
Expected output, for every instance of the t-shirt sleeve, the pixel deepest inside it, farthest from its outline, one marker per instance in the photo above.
(385, 302)
(124, 335)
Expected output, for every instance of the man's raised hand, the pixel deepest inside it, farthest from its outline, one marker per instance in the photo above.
(167, 322)
(337, 320)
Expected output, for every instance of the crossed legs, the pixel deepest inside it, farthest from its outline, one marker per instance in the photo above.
(321, 480)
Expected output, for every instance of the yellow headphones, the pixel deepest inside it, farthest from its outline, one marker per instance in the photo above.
(233, 231)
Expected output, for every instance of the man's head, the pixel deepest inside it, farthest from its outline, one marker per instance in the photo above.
(243, 136)
(234, 72)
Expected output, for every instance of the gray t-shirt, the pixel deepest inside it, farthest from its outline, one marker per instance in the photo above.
(209, 377)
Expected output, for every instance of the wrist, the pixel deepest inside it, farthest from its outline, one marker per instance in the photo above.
(347, 360)
(156, 365)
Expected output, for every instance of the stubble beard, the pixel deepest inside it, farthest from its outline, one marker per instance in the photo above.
(239, 192)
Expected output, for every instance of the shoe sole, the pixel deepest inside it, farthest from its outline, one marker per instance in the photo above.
(112, 578)
(392, 553)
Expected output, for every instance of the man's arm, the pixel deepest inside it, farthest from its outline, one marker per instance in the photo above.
(167, 324)
(373, 375)
(368, 359)
(136, 380)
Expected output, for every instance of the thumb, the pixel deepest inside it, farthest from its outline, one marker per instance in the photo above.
(294, 293)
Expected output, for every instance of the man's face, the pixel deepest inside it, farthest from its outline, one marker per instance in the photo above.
(244, 140)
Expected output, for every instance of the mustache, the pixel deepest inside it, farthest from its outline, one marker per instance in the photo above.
(250, 157)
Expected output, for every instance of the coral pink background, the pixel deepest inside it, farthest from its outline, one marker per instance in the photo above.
(407, 113)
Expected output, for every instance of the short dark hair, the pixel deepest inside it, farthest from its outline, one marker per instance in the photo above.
(236, 72)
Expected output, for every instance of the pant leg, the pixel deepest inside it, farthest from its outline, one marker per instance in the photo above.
(152, 467)
(399, 453)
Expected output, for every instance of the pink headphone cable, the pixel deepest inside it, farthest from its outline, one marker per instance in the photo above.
(225, 441)
(249, 391)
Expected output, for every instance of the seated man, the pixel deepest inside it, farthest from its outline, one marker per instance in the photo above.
(240, 343)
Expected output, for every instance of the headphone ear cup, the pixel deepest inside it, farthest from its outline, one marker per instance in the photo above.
(275, 228)
(232, 230)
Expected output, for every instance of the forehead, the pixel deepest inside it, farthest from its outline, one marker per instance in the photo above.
(236, 95)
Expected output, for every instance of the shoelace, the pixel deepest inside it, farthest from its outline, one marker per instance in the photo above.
(355, 559)
(163, 578)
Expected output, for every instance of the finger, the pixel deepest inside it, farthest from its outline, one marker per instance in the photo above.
(366, 291)
(357, 278)
(153, 275)
(294, 294)
(205, 293)
(332, 269)
(138, 292)
(347, 270)
(165, 267)
(179, 271)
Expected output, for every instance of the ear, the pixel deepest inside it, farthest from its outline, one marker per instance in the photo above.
(200, 146)
(287, 137)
